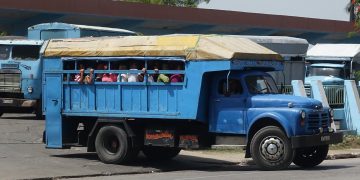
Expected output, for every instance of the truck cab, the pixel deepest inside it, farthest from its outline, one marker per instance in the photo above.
(332, 63)
(20, 76)
(327, 73)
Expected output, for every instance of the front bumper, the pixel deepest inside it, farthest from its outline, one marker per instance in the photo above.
(13, 102)
(316, 139)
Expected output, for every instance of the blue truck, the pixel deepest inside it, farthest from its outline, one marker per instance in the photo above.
(224, 96)
(20, 63)
(332, 63)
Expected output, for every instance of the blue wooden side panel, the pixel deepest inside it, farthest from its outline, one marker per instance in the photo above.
(164, 98)
(125, 99)
(133, 98)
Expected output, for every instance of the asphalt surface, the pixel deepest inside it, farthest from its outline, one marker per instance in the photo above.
(23, 156)
(330, 170)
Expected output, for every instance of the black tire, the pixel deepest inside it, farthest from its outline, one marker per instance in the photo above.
(113, 145)
(39, 115)
(39, 112)
(160, 153)
(311, 156)
(1, 113)
(271, 149)
(44, 137)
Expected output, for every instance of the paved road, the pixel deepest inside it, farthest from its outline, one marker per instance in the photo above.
(23, 156)
(329, 170)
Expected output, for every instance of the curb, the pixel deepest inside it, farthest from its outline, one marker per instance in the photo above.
(342, 156)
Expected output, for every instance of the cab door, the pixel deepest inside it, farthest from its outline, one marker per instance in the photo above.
(52, 99)
(227, 107)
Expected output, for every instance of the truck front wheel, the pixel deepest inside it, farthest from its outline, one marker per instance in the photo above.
(271, 149)
(160, 153)
(311, 156)
(112, 145)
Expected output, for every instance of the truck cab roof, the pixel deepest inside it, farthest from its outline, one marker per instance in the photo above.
(58, 25)
(21, 42)
(335, 52)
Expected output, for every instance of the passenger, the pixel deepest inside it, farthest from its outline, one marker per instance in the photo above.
(133, 77)
(100, 66)
(143, 73)
(82, 78)
(122, 77)
(177, 77)
(106, 77)
(163, 77)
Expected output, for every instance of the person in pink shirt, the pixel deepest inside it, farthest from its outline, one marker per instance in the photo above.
(82, 78)
(177, 77)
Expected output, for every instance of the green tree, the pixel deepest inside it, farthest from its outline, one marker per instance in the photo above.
(3, 33)
(180, 3)
(354, 9)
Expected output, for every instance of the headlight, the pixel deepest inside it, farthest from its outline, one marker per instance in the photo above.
(30, 89)
(331, 111)
(303, 114)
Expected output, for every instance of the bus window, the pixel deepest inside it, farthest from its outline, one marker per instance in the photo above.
(4, 52)
(25, 52)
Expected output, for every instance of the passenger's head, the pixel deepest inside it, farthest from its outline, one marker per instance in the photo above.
(133, 65)
(178, 66)
(164, 66)
(122, 67)
(81, 66)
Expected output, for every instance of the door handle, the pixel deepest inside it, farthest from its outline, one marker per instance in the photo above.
(55, 101)
(217, 100)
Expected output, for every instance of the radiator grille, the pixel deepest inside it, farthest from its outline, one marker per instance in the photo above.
(10, 82)
(317, 120)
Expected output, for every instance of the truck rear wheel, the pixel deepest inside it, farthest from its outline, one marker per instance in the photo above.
(271, 149)
(112, 145)
(160, 153)
(311, 156)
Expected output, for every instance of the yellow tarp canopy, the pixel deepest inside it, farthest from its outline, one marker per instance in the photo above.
(192, 47)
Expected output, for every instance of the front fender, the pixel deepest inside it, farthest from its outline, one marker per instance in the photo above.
(280, 118)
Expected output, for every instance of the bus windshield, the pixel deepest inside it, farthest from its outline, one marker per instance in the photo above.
(326, 71)
(26, 52)
(259, 84)
(4, 52)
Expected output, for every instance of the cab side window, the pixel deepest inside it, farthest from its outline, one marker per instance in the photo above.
(233, 87)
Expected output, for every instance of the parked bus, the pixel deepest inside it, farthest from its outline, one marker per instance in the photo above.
(222, 95)
(20, 73)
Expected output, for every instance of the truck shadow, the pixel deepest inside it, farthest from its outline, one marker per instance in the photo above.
(186, 162)
(14, 116)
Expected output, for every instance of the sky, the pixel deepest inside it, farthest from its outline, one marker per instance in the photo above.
(320, 9)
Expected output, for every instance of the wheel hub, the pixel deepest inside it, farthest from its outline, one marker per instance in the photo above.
(272, 148)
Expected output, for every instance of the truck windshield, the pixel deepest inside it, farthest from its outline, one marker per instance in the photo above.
(326, 71)
(26, 52)
(258, 84)
(4, 52)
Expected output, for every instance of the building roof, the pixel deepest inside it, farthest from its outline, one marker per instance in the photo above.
(17, 15)
(191, 47)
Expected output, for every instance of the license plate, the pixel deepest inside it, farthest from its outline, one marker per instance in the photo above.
(324, 138)
(7, 101)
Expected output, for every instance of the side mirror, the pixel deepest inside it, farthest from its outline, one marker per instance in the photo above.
(227, 93)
